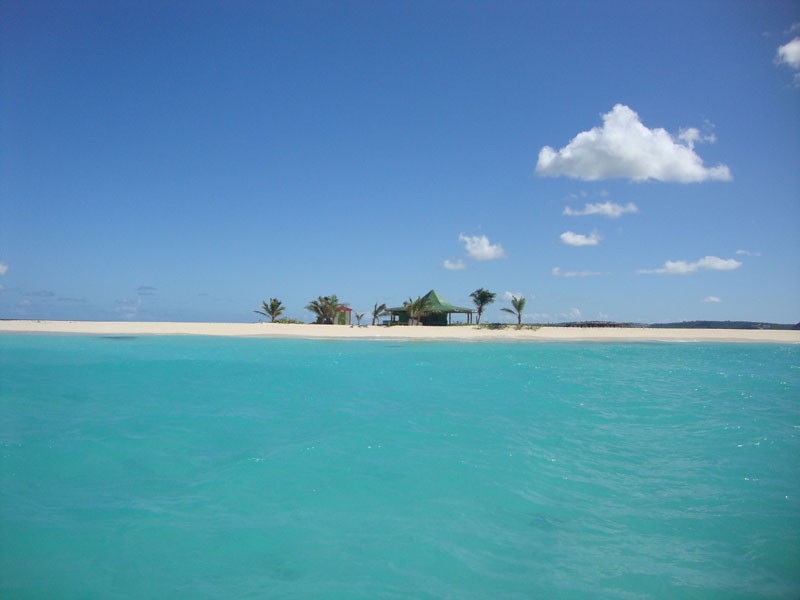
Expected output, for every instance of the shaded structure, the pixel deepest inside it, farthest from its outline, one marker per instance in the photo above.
(437, 311)
(344, 316)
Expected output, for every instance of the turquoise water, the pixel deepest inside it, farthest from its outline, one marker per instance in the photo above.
(226, 468)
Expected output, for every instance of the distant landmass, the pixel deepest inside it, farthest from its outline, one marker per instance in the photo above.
(687, 325)
(724, 325)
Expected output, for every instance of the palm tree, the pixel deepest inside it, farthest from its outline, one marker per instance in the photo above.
(359, 316)
(378, 311)
(416, 309)
(325, 307)
(273, 310)
(519, 306)
(481, 298)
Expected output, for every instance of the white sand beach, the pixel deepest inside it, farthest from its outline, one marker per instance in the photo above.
(453, 333)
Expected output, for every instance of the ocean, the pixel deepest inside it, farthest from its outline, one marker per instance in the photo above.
(197, 467)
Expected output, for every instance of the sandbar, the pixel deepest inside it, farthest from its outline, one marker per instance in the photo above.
(450, 333)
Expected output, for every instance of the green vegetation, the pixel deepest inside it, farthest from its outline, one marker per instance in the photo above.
(519, 306)
(325, 308)
(273, 309)
(378, 311)
(359, 316)
(482, 298)
(417, 309)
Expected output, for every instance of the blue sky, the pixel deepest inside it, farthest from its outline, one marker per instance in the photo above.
(632, 161)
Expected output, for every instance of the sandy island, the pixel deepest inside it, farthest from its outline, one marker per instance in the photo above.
(453, 333)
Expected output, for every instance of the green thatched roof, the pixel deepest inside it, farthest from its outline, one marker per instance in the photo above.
(437, 304)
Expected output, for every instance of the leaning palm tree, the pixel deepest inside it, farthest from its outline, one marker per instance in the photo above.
(378, 311)
(325, 308)
(519, 306)
(416, 309)
(481, 298)
(273, 310)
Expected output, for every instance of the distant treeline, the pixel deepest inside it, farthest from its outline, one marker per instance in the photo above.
(723, 325)
(682, 325)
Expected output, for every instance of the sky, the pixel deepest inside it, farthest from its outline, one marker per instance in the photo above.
(183, 161)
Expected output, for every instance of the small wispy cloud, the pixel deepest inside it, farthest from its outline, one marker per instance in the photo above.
(707, 263)
(454, 265)
(747, 253)
(623, 147)
(478, 247)
(557, 272)
(45, 294)
(712, 299)
(570, 315)
(605, 209)
(128, 309)
(509, 296)
(3, 268)
(146, 290)
(570, 238)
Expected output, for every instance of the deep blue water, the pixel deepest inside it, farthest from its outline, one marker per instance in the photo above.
(191, 467)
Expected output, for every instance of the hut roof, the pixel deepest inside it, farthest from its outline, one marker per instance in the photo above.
(437, 304)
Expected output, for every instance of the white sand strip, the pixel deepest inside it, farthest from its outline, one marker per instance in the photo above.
(455, 333)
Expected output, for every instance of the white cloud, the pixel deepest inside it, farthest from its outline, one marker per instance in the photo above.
(789, 54)
(691, 136)
(624, 147)
(606, 209)
(557, 272)
(571, 238)
(707, 263)
(128, 309)
(748, 253)
(571, 315)
(711, 299)
(3, 268)
(509, 296)
(479, 248)
(454, 265)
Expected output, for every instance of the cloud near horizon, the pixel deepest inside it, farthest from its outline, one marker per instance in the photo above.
(509, 296)
(606, 209)
(454, 265)
(680, 267)
(624, 148)
(478, 247)
(570, 238)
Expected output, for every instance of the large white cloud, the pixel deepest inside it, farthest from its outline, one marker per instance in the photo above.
(478, 247)
(606, 209)
(571, 238)
(707, 263)
(624, 147)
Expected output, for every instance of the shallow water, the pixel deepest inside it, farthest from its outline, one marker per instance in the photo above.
(198, 467)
